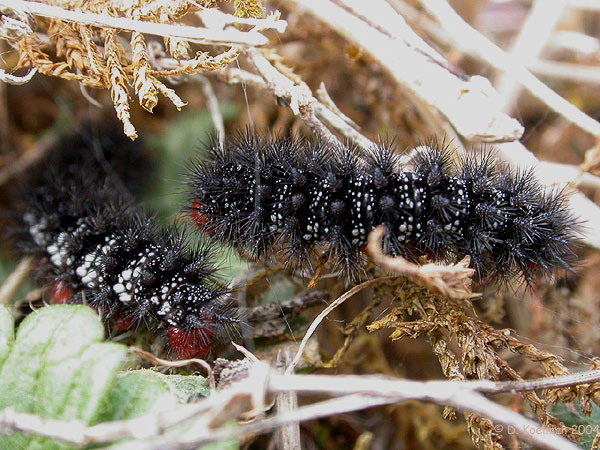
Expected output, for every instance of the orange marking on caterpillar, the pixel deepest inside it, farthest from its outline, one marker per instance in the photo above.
(124, 323)
(61, 293)
(195, 343)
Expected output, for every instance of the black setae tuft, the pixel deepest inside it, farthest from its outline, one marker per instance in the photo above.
(298, 197)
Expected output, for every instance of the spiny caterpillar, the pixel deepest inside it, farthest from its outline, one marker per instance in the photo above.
(99, 248)
(302, 199)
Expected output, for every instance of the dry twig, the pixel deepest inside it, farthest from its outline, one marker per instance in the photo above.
(315, 323)
(15, 280)
(198, 35)
(179, 363)
(470, 105)
(471, 41)
(352, 392)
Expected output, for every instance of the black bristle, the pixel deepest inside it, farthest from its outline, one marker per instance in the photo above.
(434, 207)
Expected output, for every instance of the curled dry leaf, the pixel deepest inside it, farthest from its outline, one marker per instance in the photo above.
(452, 280)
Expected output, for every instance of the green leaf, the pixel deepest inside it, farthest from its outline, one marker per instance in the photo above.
(175, 147)
(588, 426)
(140, 392)
(186, 387)
(57, 368)
(7, 332)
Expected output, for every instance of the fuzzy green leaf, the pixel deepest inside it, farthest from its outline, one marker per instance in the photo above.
(7, 333)
(588, 426)
(140, 392)
(57, 368)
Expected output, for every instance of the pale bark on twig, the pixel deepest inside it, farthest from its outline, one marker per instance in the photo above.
(15, 280)
(353, 393)
(469, 40)
(230, 36)
(449, 280)
(470, 104)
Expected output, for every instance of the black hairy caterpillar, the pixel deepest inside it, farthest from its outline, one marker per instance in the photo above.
(303, 198)
(99, 248)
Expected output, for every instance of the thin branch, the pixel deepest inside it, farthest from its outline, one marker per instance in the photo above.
(338, 122)
(214, 18)
(231, 75)
(213, 106)
(315, 323)
(298, 96)
(15, 280)
(591, 5)
(470, 105)
(353, 392)
(575, 42)
(231, 36)
(272, 311)
(562, 174)
(475, 44)
(451, 280)
(179, 363)
(288, 436)
(489, 387)
(529, 44)
(329, 114)
(573, 73)
(17, 80)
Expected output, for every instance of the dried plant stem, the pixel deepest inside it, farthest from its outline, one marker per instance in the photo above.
(214, 18)
(198, 35)
(592, 5)
(576, 379)
(529, 43)
(574, 73)
(470, 105)
(353, 393)
(351, 331)
(15, 280)
(315, 323)
(298, 96)
(287, 402)
(16, 80)
(179, 363)
(327, 112)
(475, 44)
(453, 280)
(213, 106)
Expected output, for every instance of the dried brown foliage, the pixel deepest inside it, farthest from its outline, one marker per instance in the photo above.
(106, 58)
(468, 348)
